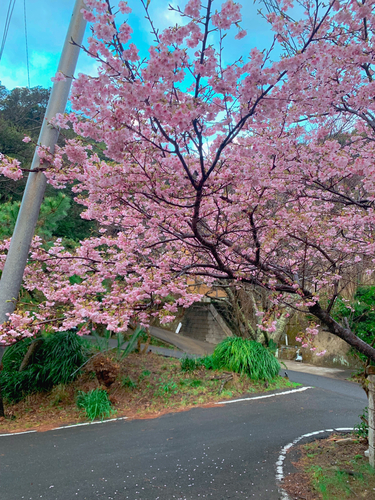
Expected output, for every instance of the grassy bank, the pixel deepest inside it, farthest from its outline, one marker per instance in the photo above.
(145, 386)
(332, 469)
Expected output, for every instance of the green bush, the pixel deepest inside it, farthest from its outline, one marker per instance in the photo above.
(58, 357)
(63, 353)
(15, 386)
(207, 362)
(359, 315)
(14, 354)
(95, 404)
(246, 356)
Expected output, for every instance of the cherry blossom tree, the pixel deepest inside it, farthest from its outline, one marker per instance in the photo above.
(213, 169)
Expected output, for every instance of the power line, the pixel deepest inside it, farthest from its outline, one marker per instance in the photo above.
(27, 47)
(7, 23)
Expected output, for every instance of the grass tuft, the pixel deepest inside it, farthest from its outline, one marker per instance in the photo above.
(95, 404)
(189, 364)
(246, 357)
(128, 382)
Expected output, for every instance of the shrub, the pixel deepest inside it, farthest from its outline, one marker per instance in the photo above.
(16, 385)
(207, 362)
(191, 364)
(58, 357)
(246, 356)
(359, 315)
(95, 404)
(14, 354)
(63, 353)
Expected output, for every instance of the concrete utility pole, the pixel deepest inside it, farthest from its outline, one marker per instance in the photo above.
(12, 275)
(371, 414)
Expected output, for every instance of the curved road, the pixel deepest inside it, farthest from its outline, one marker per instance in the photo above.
(225, 452)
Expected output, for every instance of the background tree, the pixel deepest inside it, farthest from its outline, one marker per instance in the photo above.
(53, 210)
(21, 114)
(358, 314)
(250, 313)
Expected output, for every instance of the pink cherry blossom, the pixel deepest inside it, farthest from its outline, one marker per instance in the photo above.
(124, 8)
(255, 171)
(59, 77)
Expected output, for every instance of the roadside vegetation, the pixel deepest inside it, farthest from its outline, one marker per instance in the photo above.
(358, 314)
(332, 469)
(95, 382)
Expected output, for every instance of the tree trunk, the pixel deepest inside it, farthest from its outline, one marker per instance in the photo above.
(33, 347)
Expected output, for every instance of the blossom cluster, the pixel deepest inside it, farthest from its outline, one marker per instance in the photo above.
(10, 168)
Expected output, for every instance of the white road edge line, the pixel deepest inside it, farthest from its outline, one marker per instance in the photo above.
(125, 418)
(67, 426)
(89, 423)
(16, 433)
(280, 462)
(265, 396)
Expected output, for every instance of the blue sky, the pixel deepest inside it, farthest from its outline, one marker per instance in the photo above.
(47, 22)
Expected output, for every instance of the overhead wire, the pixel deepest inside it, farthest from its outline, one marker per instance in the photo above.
(6, 26)
(27, 46)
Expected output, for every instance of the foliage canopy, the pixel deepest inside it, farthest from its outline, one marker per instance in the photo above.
(215, 169)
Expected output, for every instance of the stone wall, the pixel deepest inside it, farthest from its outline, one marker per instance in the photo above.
(337, 355)
(202, 322)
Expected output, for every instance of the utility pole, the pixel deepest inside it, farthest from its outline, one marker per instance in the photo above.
(15, 263)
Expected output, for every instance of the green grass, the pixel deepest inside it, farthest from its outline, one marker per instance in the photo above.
(279, 383)
(95, 404)
(196, 383)
(246, 357)
(189, 364)
(144, 374)
(128, 382)
(333, 485)
(336, 473)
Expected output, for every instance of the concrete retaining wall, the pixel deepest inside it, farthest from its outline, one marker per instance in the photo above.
(203, 322)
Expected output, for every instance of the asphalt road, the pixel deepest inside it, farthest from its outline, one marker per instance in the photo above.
(225, 452)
